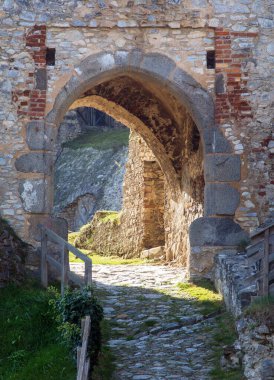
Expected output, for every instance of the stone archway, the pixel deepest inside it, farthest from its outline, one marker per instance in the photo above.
(172, 93)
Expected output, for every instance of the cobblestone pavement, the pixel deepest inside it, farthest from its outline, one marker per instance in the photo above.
(157, 333)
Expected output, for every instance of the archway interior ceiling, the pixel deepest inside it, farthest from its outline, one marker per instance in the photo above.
(159, 110)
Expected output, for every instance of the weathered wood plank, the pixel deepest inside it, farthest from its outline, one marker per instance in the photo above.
(86, 369)
(83, 354)
(266, 262)
(271, 276)
(255, 249)
(44, 263)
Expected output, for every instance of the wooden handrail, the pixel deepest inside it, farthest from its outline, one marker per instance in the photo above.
(63, 266)
(83, 362)
(260, 256)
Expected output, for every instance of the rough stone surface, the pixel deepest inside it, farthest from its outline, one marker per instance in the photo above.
(35, 163)
(256, 342)
(157, 333)
(221, 199)
(40, 136)
(216, 232)
(223, 168)
(153, 253)
(32, 193)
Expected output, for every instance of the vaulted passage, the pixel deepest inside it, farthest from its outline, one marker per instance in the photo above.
(164, 180)
(171, 119)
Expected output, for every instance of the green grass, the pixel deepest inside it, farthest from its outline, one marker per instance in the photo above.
(29, 349)
(109, 216)
(203, 295)
(99, 139)
(224, 334)
(107, 260)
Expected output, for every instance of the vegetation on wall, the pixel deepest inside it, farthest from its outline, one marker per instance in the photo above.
(100, 139)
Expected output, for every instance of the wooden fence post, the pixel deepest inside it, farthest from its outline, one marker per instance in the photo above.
(266, 263)
(88, 273)
(64, 269)
(44, 261)
(82, 362)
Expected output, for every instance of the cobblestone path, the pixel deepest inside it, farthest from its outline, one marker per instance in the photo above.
(157, 333)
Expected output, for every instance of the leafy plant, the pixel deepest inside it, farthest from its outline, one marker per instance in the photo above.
(69, 310)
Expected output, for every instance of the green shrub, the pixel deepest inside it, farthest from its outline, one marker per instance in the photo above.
(69, 310)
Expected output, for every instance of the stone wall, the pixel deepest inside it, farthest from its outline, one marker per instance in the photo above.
(79, 212)
(162, 48)
(181, 213)
(13, 253)
(153, 205)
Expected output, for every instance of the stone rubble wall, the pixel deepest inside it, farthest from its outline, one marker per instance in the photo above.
(13, 254)
(256, 342)
(153, 205)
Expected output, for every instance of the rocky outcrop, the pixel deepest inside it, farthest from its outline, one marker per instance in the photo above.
(13, 252)
(89, 178)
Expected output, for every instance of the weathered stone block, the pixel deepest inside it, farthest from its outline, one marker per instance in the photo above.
(135, 58)
(216, 232)
(35, 163)
(220, 199)
(223, 168)
(215, 142)
(198, 102)
(182, 78)
(219, 84)
(40, 136)
(158, 64)
(121, 57)
(153, 253)
(32, 194)
(41, 79)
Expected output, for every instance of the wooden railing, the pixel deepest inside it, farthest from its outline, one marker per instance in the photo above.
(63, 265)
(260, 257)
(83, 362)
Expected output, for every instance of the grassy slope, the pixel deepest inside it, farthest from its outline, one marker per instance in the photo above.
(103, 260)
(28, 336)
(102, 140)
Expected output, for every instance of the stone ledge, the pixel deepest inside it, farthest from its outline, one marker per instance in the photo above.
(222, 232)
